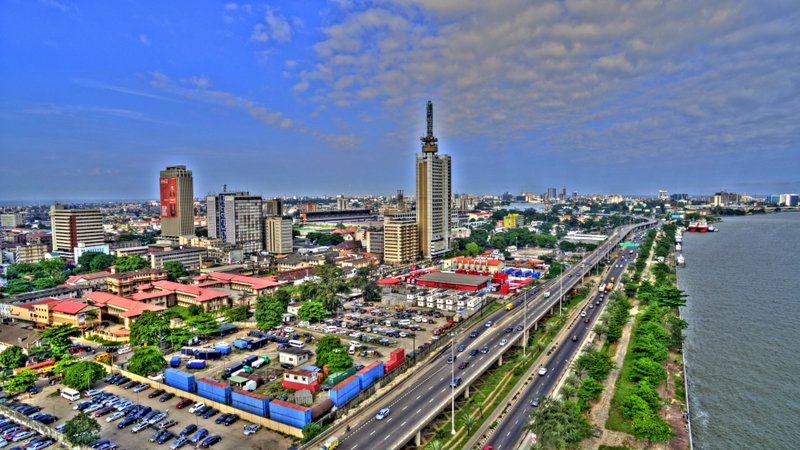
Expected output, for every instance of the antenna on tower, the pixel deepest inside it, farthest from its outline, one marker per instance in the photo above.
(429, 142)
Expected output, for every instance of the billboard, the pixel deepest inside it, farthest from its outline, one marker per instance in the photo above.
(169, 198)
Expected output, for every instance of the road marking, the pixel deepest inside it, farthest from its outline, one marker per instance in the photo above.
(387, 437)
(430, 387)
(508, 434)
(420, 395)
(418, 411)
(443, 389)
(405, 407)
(402, 424)
(354, 447)
(389, 419)
(373, 432)
(430, 400)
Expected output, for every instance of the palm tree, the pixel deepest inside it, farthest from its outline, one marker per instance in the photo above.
(91, 316)
(469, 422)
(435, 445)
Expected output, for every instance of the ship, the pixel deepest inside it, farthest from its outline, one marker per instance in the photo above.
(698, 226)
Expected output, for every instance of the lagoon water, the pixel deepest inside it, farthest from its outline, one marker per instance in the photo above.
(744, 329)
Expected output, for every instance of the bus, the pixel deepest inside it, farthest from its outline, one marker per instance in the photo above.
(70, 394)
(42, 367)
(102, 357)
(297, 344)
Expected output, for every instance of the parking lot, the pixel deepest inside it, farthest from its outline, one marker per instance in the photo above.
(232, 436)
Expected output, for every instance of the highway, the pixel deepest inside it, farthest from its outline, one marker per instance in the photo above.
(424, 397)
(511, 429)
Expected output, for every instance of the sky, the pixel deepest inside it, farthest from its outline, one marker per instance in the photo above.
(328, 97)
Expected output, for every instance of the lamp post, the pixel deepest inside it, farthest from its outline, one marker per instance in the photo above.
(561, 288)
(452, 385)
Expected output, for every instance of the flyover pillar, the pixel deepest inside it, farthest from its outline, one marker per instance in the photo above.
(500, 360)
(418, 439)
(466, 393)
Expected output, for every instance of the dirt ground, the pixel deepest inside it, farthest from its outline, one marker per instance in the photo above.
(674, 411)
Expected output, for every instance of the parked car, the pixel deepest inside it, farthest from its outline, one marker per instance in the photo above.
(210, 413)
(251, 429)
(155, 393)
(191, 428)
(199, 435)
(183, 403)
(222, 418)
(166, 397)
(210, 441)
(230, 420)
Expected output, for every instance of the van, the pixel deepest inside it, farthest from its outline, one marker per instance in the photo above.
(352, 350)
(70, 394)
(123, 350)
(102, 357)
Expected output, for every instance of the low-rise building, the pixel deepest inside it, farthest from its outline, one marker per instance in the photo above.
(293, 356)
(124, 309)
(54, 312)
(30, 253)
(191, 257)
(125, 283)
(184, 295)
(299, 379)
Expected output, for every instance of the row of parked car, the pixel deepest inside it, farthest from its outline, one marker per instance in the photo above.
(12, 431)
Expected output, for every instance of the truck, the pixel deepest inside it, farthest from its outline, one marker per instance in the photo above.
(509, 307)
(602, 288)
(330, 444)
(610, 286)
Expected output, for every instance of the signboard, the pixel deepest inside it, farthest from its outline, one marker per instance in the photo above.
(628, 244)
(677, 216)
(169, 198)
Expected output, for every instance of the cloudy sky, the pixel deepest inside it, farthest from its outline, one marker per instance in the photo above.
(327, 97)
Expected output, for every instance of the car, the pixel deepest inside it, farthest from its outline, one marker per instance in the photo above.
(598, 303)
(461, 348)
(230, 420)
(158, 417)
(455, 382)
(199, 436)
(382, 414)
(221, 418)
(488, 324)
(202, 410)
(473, 334)
(251, 429)
(197, 406)
(543, 371)
(210, 441)
(180, 442)
(164, 424)
(98, 443)
(210, 413)
(140, 426)
(574, 338)
(583, 313)
(503, 342)
(586, 320)
(130, 384)
(115, 416)
(509, 329)
(92, 392)
(155, 393)
(191, 428)
(165, 437)
(463, 365)
(183, 403)
(166, 397)
(519, 327)
(535, 402)
(591, 306)
(21, 436)
(94, 407)
(473, 352)
(103, 411)
(287, 366)
(451, 358)
(485, 349)
(126, 421)
(156, 434)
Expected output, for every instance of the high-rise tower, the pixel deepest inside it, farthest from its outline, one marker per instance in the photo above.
(177, 201)
(434, 189)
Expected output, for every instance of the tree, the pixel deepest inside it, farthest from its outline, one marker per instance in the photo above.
(372, 293)
(338, 360)
(269, 312)
(469, 422)
(651, 427)
(63, 363)
(82, 429)
(100, 262)
(130, 263)
(146, 359)
(326, 346)
(670, 296)
(13, 357)
(58, 339)
(201, 231)
(194, 310)
(149, 328)
(175, 270)
(178, 337)
(559, 424)
(313, 312)
(472, 249)
(647, 369)
(238, 314)
(20, 381)
(311, 430)
(590, 389)
(645, 391)
(83, 375)
(596, 364)
(633, 405)
(202, 324)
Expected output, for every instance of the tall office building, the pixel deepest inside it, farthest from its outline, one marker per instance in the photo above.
(434, 189)
(73, 226)
(400, 238)
(278, 235)
(237, 218)
(273, 207)
(342, 203)
(177, 201)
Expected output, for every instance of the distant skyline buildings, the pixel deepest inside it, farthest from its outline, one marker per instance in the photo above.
(176, 195)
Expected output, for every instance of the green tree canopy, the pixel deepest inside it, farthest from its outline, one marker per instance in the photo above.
(558, 424)
(202, 324)
(590, 389)
(58, 339)
(82, 375)
(175, 270)
(130, 263)
(13, 357)
(326, 346)
(238, 314)
(649, 370)
(269, 312)
(472, 249)
(338, 360)
(313, 312)
(20, 381)
(82, 429)
(146, 360)
(149, 328)
(596, 364)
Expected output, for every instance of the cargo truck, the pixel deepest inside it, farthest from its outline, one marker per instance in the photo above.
(330, 444)
(610, 286)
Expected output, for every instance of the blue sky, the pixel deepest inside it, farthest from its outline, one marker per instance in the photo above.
(328, 97)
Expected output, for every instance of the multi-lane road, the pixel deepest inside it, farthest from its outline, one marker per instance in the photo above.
(511, 429)
(430, 391)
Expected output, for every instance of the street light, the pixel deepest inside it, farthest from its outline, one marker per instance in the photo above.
(453, 385)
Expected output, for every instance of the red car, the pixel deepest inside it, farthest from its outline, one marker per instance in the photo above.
(184, 403)
(586, 320)
(463, 365)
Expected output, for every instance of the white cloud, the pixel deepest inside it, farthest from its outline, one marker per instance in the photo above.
(595, 76)
(144, 40)
(274, 28)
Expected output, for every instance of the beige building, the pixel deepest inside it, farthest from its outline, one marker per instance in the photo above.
(12, 220)
(125, 283)
(177, 201)
(273, 207)
(400, 236)
(278, 235)
(31, 253)
(374, 242)
(53, 312)
(434, 196)
(73, 226)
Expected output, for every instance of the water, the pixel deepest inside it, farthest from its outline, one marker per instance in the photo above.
(539, 207)
(743, 313)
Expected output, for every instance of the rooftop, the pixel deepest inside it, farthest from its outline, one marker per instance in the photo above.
(454, 278)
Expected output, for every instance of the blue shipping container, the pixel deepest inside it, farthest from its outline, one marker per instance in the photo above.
(196, 364)
(241, 343)
(224, 349)
(188, 351)
(299, 414)
(175, 361)
(249, 360)
(230, 369)
(259, 410)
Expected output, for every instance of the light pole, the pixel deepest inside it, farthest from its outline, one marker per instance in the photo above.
(453, 386)
(525, 324)
(561, 288)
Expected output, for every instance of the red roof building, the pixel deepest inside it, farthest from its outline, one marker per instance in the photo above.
(125, 309)
(54, 312)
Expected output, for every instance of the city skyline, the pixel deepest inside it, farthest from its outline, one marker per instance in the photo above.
(287, 99)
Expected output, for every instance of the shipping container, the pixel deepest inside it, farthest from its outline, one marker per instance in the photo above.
(214, 390)
(207, 354)
(338, 377)
(369, 374)
(258, 363)
(188, 351)
(223, 348)
(321, 408)
(230, 369)
(249, 360)
(175, 361)
(242, 343)
(289, 413)
(196, 364)
(179, 379)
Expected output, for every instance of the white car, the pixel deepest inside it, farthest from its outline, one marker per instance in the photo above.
(543, 371)
(92, 392)
(503, 342)
(288, 329)
(139, 426)
(115, 416)
(196, 407)
(583, 313)
(382, 414)
(250, 429)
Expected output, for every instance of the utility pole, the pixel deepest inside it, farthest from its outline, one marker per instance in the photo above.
(453, 387)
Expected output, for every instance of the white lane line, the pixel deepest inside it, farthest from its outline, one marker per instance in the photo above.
(418, 411)
(420, 395)
(389, 419)
(405, 407)
(387, 437)
(403, 424)
(429, 401)
(373, 432)
(354, 447)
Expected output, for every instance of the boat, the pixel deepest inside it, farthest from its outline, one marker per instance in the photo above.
(698, 226)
